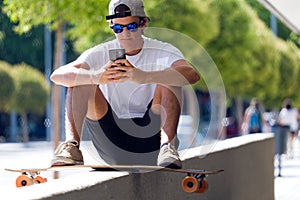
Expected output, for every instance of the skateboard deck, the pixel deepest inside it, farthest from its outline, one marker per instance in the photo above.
(193, 182)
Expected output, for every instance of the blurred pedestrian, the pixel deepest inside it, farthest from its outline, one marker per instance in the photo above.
(298, 119)
(288, 116)
(253, 120)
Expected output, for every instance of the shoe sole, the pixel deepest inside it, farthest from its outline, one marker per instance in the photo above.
(170, 165)
(61, 161)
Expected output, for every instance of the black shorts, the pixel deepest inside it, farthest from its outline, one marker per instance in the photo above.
(133, 141)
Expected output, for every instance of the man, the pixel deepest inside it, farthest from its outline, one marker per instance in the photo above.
(130, 106)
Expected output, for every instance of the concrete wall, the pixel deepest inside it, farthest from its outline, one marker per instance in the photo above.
(248, 165)
(247, 161)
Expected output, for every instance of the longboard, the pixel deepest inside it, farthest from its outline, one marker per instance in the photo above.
(193, 182)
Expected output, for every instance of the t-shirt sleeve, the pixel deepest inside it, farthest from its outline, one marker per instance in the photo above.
(174, 54)
(84, 57)
(161, 56)
(96, 58)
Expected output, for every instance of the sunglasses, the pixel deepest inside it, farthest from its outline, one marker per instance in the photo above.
(118, 28)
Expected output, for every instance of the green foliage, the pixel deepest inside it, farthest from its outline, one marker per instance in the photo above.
(83, 17)
(282, 31)
(195, 18)
(86, 19)
(251, 60)
(289, 71)
(232, 48)
(265, 74)
(32, 90)
(15, 48)
(296, 94)
(295, 38)
(7, 86)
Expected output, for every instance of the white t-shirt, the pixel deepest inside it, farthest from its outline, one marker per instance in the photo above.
(289, 117)
(129, 99)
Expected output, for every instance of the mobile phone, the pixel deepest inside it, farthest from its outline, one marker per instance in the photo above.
(116, 54)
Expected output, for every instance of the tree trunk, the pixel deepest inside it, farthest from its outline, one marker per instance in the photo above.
(25, 129)
(239, 109)
(56, 89)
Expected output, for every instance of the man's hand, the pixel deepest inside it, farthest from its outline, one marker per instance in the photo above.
(122, 70)
(179, 74)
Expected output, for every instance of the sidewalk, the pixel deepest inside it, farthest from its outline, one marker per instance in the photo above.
(287, 186)
(35, 155)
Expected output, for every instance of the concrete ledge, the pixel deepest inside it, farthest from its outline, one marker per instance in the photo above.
(247, 161)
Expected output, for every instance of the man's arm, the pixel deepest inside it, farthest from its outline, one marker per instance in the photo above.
(180, 74)
(75, 74)
(71, 74)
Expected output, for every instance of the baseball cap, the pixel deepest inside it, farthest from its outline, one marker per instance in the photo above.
(136, 9)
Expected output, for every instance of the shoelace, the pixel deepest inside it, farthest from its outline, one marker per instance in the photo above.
(64, 146)
(171, 149)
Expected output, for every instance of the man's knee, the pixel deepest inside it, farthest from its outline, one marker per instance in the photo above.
(166, 98)
(167, 94)
(83, 91)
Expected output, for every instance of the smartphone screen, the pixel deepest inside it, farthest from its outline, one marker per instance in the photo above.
(116, 54)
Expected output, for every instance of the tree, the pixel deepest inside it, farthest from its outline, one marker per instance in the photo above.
(289, 71)
(247, 54)
(265, 71)
(198, 18)
(283, 32)
(31, 94)
(16, 48)
(232, 48)
(85, 17)
(188, 26)
(31, 50)
(79, 15)
(297, 98)
(235, 51)
(165, 14)
(7, 85)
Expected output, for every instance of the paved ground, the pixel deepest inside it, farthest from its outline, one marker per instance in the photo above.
(287, 186)
(39, 154)
(34, 155)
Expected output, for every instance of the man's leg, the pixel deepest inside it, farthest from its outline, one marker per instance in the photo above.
(291, 139)
(167, 102)
(81, 101)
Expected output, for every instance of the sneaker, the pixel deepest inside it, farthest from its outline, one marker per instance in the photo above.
(67, 153)
(169, 157)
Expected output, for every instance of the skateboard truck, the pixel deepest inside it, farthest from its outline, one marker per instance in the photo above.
(194, 183)
(29, 178)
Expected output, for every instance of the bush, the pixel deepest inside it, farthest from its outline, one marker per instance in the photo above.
(7, 86)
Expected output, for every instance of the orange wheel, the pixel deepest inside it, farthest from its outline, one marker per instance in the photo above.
(190, 184)
(23, 180)
(40, 179)
(203, 186)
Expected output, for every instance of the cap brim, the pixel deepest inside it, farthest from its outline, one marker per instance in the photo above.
(118, 15)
